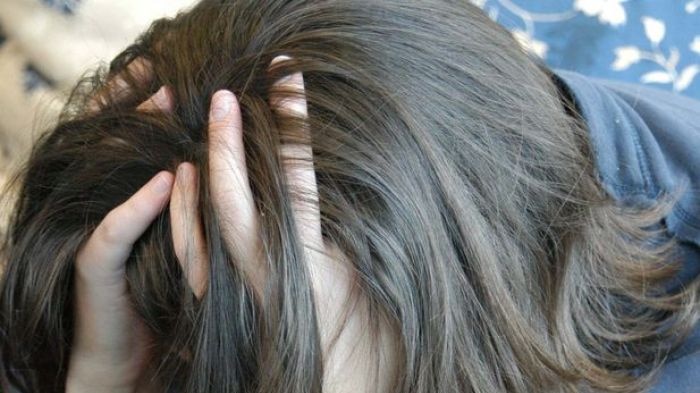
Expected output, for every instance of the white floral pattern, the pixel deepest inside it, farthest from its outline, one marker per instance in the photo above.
(607, 11)
(614, 39)
(655, 31)
(695, 45)
(530, 44)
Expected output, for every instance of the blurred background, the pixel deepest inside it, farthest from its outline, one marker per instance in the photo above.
(46, 45)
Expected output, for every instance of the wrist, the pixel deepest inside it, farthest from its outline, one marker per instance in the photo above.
(78, 385)
(86, 376)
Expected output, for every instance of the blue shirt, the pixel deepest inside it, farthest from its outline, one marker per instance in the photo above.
(646, 142)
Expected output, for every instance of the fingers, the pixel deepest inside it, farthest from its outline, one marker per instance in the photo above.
(331, 275)
(230, 189)
(140, 69)
(162, 100)
(188, 236)
(297, 160)
(106, 251)
(106, 331)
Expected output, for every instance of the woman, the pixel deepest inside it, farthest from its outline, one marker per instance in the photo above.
(404, 201)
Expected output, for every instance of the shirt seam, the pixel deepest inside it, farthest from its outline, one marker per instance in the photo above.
(688, 218)
(636, 191)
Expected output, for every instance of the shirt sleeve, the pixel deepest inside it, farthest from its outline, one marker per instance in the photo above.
(646, 143)
(668, 128)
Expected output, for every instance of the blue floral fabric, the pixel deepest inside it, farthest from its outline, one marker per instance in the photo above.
(650, 42)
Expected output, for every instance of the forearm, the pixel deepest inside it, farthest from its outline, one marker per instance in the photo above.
(97, 374)
(353, 353)
(85, 382)
(81, 383)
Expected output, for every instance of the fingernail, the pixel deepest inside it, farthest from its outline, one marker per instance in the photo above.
(162, 183)
(221, 104)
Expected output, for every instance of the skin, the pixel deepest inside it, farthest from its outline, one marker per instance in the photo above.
(110, 348)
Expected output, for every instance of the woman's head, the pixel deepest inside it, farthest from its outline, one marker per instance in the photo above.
(451, 172)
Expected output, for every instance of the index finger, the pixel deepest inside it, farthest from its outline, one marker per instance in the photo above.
(109, 246)
(140, 69)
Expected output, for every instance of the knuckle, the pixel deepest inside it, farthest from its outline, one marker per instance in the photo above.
(224, 126)
(109, 230)
(135, 207)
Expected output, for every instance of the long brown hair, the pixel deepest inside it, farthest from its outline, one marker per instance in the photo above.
(452, 172)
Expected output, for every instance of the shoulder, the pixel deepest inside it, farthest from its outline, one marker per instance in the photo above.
(681, 373)
(646, 143)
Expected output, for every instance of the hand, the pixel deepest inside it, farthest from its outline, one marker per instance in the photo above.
(347, 359)
(102, 358)
(111, 343)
